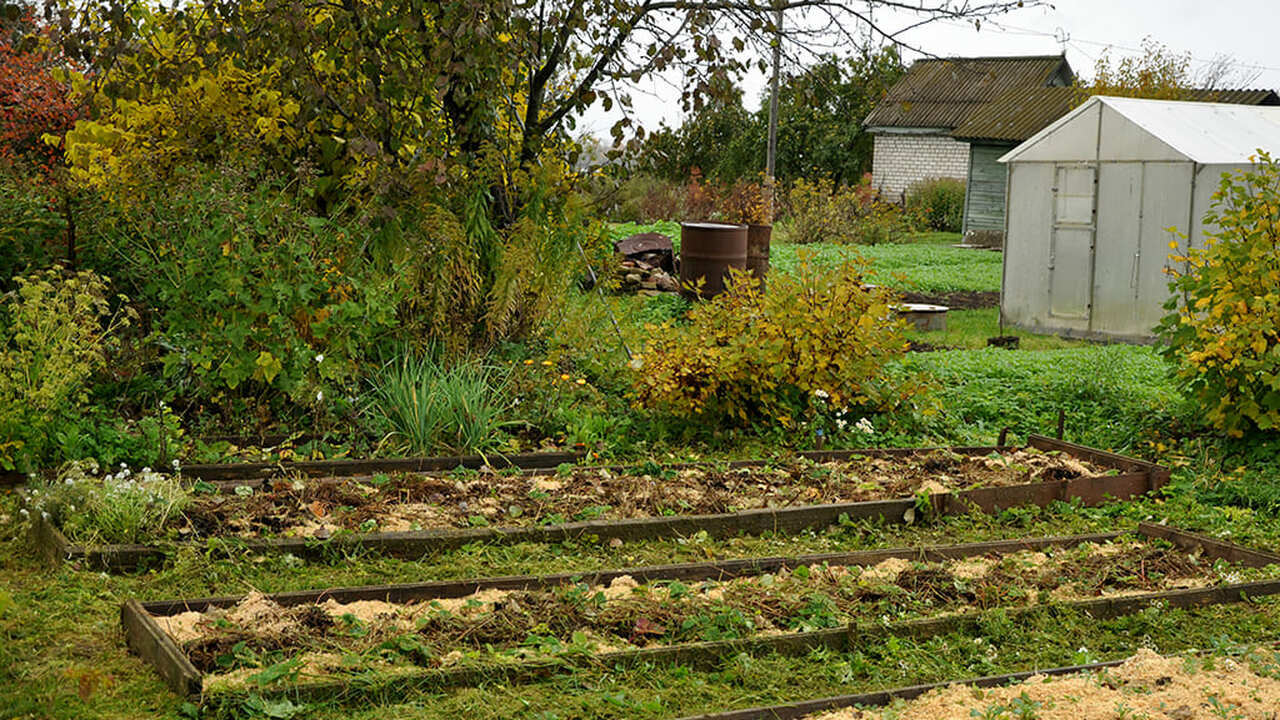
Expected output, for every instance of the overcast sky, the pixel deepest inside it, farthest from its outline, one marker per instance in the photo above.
(1244, 29)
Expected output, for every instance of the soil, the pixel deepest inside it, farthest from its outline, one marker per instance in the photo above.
(960, 300)
(913, 346)
(316, 508)
(627, 614)
(1145, 686)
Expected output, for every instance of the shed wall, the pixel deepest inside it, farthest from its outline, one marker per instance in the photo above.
(898, 160)
(1137, 203)
(1073, 141)
(1024, 300)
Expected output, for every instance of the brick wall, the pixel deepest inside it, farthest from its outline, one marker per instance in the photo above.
(900, 160)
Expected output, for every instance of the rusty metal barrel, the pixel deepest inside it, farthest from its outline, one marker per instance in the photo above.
(707, 251)
(758, 251)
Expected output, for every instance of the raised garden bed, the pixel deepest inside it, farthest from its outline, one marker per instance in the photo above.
(1146, 685)
(408, 516)
(441, 634)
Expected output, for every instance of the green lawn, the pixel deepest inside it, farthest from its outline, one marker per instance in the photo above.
(969, 329)
(929, 263)
(1113, 396)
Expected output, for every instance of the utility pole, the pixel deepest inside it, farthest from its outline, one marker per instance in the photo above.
(771, 152)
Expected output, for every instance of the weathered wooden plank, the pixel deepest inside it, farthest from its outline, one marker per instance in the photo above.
(1230, 552)
(255, 476)
(413, 544)
(154, 645)
(251, 471)
(696, 654)
(1139, 477)
(878, 698)
(54, 546)
(709, 654)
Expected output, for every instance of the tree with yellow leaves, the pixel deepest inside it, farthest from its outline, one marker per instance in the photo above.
(1221, 332)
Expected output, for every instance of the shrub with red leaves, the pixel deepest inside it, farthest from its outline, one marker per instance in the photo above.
(32, 101)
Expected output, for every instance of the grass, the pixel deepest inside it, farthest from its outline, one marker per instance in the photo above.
(1113, 396)
(928, 263)
(62, 653)
(435, 407)
(969, 329)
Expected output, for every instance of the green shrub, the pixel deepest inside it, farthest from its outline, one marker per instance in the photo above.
(432, 406)
(56, 329)
(247, 292)
(29, 225)
(1221, 333)
(819, 212)
(937, 203)
(817, 341)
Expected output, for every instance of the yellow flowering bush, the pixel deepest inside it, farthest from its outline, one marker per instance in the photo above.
(1222, 331)
(747, 356)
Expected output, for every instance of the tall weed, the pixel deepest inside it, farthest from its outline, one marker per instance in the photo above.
(56, 329)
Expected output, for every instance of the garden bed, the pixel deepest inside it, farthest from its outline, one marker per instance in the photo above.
(454, 633)
(1145, 685)
(410, 516)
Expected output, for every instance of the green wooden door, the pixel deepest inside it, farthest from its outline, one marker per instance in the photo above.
(984, 195)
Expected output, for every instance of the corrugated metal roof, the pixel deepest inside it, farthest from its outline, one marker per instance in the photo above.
(940, 93)
(1234, 97)
(1021, 113)
(1207, 133)
(1017, 115)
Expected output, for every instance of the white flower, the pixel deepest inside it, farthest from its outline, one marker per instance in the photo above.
(68, 481)
(319, 396)
(864, 426)
(320, 357)
(840, 423)
(146, 470)
(821, 394)
(176, 464)
(25, 512)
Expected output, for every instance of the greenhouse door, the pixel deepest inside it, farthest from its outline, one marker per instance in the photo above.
(1075, 190)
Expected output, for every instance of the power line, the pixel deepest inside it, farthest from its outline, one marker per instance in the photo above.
(1016, 30)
